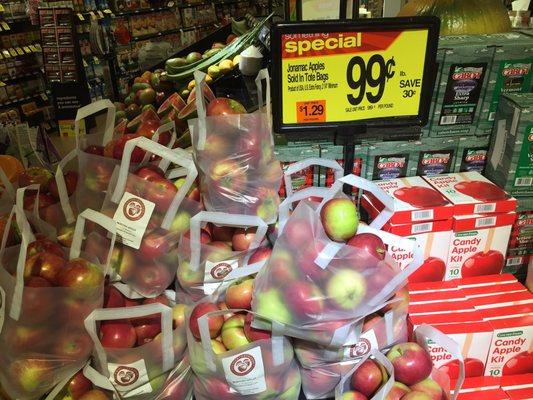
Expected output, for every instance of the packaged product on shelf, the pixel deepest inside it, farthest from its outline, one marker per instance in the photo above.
(472, 193)
(517, 382)
(479, 383)
(502, 300)
(389, 160)
(478, 244)
(462, 86)
(435, 156)
(289, 155)
(511, 156)
(511, 72)
(472, 154)
(414, 201)
(487, 280)
(441, 308)
(491, 394)
(510, 349)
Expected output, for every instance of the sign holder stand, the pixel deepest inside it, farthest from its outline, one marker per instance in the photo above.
(354, 93)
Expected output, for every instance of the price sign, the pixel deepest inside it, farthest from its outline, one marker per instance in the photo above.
(331, 74)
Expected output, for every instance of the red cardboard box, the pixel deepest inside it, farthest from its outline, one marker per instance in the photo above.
(472, 193)
(414, 201)
(478, 383)
(436, 297)
(516, 382)
(444, 307)
(520, 394)
(494, 394)
(431, 287)
(481, 291)
(502, 300)
(478, 245)
(485, 280)
(510, 351)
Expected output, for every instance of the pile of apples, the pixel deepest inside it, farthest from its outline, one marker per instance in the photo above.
(48, 192)
(299, 291)
(81, 388)
(412, 373)
(134, 332)
(46, 266)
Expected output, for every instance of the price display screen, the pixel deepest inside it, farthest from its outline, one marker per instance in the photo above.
(335, 73)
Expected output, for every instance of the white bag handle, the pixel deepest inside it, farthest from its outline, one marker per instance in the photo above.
(301, 165)
(94, 108)
(424, 332)
(98, 218)
(110, 314)
(263, 75)
(27, 238)
(98, 379)
(383, 391)
(21, 192)
(8, 186)
(286, 205)
(361, 183)
(62, 187)
(169, 126)
(220, 218)
(205, 338)
(166, 154)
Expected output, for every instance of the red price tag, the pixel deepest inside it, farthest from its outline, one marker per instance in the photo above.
(311, 111)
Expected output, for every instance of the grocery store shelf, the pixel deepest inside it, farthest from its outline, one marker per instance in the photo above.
(14, 79)
(41, 95)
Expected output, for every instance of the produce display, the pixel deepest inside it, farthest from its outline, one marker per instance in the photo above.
(178, 253)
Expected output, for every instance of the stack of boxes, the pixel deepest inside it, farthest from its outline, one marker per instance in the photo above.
(461, 221)
(490, 317)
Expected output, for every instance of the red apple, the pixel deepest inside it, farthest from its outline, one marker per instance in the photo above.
(429, 387)
(473, 367)
(215, 323)
(411, 362)
(30, 374)
(34, 176)
(233, 332)
(222, 233)
(44, 245)
(217, 147)
(416, 395)
(254, 334)
(229, 177)
(36, 303)
(224, 106)
(223, 306)
(261, 254)
(371, 249)
(113, 298)
(218, 251)
(45, 201)
(117, 334)
(95, 394)
(153, 278)
(397, 392)
(340, 219)
(74, 345)
(84, 277)
(96, 150)
(155, 244)
(239, 294)
(432, 270)
(146, 332)
(162, 192)
(137, 154)
(242, 238)
(267, 206)
(351, 395)
(193, 193)
(368, 378)
(78, 385)
(401, 303)
(123, 261)
(23, 338)
(148, 128)
(483, 263)
(71, 181)
(305, 300)
(521, 363)
(205, 236)
(150, 173)
(420, 197)
(480, 190)
(370, 320)
(45, 265)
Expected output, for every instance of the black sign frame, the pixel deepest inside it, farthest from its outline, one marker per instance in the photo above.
(431, 24)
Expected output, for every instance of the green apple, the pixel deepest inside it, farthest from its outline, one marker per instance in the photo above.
(233, 332)
(340, 219)
(218, 348)
(181, 222)
(178, 315)
(346, 288)
(270, 304)
(187, 277)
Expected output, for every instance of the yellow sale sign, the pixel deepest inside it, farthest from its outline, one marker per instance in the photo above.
(351, 76)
